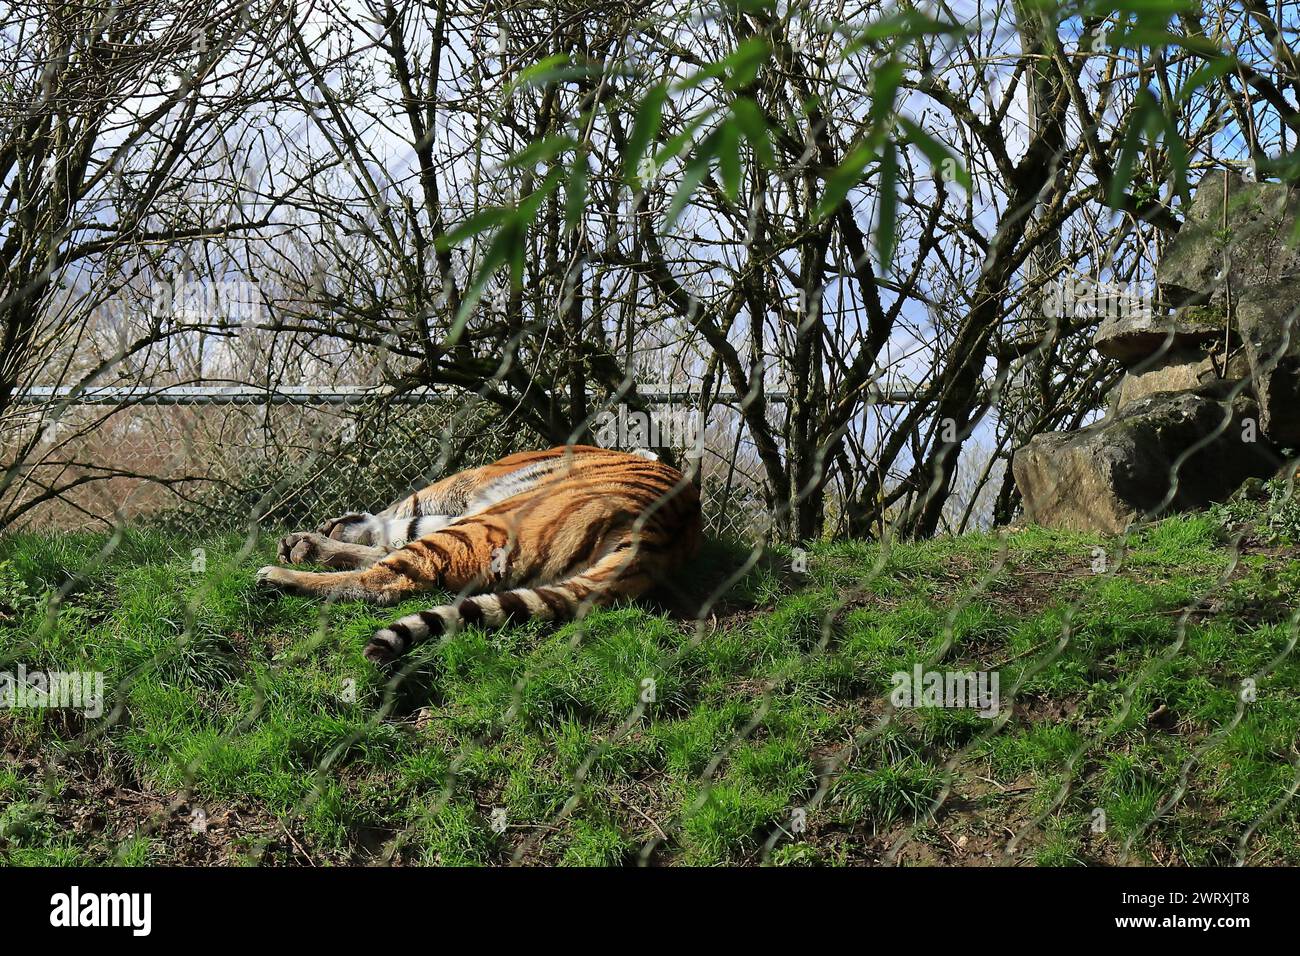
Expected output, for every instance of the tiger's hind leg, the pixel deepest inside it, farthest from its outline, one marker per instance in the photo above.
(458, 559)
(307, 547)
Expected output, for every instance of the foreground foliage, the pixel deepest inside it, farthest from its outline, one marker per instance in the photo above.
(241, 729)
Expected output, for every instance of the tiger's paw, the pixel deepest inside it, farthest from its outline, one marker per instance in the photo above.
(354, 528)
(385, 647)
(269, 578)
(301, 547)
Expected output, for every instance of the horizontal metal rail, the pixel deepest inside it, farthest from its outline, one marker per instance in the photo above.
(226, 395)
(340, 395)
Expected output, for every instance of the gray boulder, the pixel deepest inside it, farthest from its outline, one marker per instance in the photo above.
(1134, 338)
(1260, 219)
(1268, 318)
(1104, 477)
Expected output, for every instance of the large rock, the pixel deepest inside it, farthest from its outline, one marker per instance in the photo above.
(1137, 337)
(1104, 477)
(1224, 333)
(1249, 230)
(1178, 371)
(1269, 320)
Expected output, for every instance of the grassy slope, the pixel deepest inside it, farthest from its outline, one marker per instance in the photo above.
(263, 715)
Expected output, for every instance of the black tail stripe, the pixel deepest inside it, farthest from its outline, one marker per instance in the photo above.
(403, 633)
(513, 607)
(432, 621)
(554, 601)
(469, 611)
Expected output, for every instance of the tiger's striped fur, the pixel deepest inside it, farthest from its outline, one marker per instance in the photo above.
(544, 534)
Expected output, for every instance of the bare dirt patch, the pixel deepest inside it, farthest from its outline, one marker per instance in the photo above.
(86, 798)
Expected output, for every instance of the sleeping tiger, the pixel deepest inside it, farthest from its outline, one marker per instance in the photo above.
(547, 534)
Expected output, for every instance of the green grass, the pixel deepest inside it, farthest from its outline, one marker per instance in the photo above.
(762, 736)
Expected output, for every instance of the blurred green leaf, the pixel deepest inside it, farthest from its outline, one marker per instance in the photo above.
(575, 192)
(737, 70)
(528, 206)
(884, 89)
(752, 123)
(1177, 150)
(540, 72)
(903, 25)
(541, 151)
(498, 252)
(683, 139)
(645, 130)
(843, 178)
(743, 65)
(1155, 36)
(558, 68)
(508, 246)
(479, 222)
(1285, 168)
(1140, 121)
(695, 172)
(1204, 75)
(886, 221)
(1102, 8)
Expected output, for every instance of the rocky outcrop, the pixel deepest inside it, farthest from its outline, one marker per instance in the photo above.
(1169, 451)
(1132, 339)
(1235, 237)
(1176, 371)
(1267, 318)
(1211, 387)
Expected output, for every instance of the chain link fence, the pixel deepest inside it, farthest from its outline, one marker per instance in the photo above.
(216, 457)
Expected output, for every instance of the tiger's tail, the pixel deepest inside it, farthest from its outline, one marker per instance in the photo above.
(624, 571)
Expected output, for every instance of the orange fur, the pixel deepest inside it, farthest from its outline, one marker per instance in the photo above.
(547, 534)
